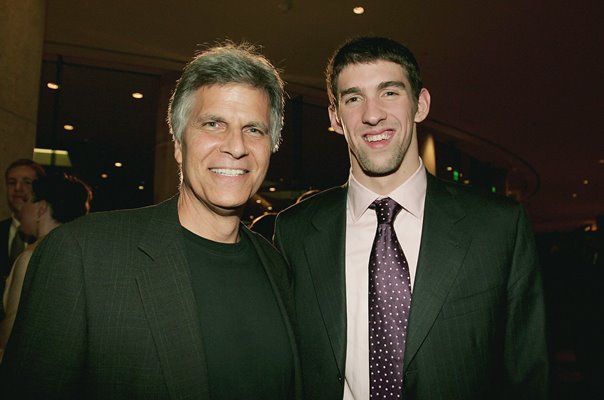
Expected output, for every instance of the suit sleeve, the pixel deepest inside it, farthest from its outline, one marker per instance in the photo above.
(46, 352)
(525, 354)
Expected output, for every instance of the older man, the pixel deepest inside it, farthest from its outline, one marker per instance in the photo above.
(177, 300)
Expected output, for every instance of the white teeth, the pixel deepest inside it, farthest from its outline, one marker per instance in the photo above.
(375, 138)
(228, 172)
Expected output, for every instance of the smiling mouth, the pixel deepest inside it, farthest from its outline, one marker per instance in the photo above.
(229, 171)
(379, 137)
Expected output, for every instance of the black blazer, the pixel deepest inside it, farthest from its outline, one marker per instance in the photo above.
(108, 312)
(4, 230)
(476, 327)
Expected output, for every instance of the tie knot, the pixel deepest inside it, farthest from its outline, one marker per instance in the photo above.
(386, 210)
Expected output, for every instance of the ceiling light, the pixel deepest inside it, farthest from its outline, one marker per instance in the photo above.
(104, 175)
(358, 10)
(52, 85)
(137, 95)
(574, 195)
(449, 169)
(118, 164)
(272, 189)
(58, 158)
(585, 181)
(68, 127)
(258, 201)
(270, 208)
(141, 187)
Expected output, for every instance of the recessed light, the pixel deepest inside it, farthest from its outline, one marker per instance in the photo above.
(449, 169)
(358, 10)
(141, 187)
(574, 195)
(68, 127)
(585, 181)
(118, 164)
(270, 208)
(104, 175)
(52, 85)
(272, 189)
(137, 95)
(258, 201)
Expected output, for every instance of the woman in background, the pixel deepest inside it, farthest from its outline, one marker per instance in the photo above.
(55, 200)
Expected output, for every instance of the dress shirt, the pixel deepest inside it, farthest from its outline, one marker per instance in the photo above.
(361, 225)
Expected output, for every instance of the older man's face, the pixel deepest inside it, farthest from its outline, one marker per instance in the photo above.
(225, 149)
(18, 186)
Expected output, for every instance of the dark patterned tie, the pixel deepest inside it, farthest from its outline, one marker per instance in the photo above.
(389, 305)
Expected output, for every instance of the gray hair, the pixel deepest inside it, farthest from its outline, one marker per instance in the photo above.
(224, 64)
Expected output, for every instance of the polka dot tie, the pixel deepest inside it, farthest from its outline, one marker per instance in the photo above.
(389, 305)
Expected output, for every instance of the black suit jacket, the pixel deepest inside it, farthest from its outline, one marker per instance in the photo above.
(4, 260)
(108, 312)
(476, 327)
(4, 230)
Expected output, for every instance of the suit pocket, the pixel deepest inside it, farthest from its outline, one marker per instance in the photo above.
(487, 300)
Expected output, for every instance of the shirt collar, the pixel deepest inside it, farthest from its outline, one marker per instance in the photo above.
(14, 221)
(410, 194)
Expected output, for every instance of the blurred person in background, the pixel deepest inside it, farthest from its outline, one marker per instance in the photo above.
(18, 178)
(53, 200)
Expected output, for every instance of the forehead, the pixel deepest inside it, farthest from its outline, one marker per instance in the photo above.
(367, 75)
(21, 172)
(236, 95)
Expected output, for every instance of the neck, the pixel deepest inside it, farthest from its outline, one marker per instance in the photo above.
(45, 226)
(384, 185)
(210, 224)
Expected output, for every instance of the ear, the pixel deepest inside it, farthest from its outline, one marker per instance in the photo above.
(423, 105)
(42, 209)
(335, 120)
(178, 151)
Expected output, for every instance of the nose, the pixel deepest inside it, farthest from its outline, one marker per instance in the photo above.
(19, 186)
(234, 144)
(373, 113)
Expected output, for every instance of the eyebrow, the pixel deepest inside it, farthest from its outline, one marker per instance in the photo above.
(382, 85)
(200, 119)
(258, 124)
(215, 117)
(399, 84)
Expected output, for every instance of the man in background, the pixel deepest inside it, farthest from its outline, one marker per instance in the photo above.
(177, 300)
(406, 286)
(18, 178)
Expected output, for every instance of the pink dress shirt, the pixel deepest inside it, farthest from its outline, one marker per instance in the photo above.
(361, 224)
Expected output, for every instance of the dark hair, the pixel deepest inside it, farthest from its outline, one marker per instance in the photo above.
(25, 162)
(221, 65)
(67, 196)
(363, 50)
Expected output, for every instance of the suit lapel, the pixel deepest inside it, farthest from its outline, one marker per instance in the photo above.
(443, 247)
(165, 287)
(325, 252)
